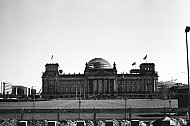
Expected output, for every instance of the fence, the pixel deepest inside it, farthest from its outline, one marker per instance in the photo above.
(89, 114)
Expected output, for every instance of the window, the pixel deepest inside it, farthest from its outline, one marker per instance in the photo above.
(129, 88)
(139, 89)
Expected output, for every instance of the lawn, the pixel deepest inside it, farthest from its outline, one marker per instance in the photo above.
(85, 104)
(90, 104)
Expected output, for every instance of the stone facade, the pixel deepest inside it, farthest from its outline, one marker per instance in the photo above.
(99, 80)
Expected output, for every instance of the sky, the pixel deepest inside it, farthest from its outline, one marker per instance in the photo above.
(76, 31)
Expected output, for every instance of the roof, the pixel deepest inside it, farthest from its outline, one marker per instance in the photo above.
(183, 87)
(99, 63)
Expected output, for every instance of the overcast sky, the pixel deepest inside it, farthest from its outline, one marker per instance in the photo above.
(76, 31)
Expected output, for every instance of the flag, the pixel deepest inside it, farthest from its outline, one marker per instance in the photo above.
(51, 57)
(134, 63)
(123, 76)
(145, 57)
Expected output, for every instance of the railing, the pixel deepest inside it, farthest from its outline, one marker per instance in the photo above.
(148, 113)
(122, 110)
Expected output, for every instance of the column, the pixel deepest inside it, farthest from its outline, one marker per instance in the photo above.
(100, 86)
(91, 86)
(132, 86)
(108, 87)
(95, 86)
(137, 84)
(55, 89)
(126, 88)
(105, 86)
(112, 86)
(87, 86)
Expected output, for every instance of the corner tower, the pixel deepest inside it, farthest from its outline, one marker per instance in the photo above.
(50, 79)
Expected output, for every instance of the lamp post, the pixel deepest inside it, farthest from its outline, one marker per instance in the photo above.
(33, 100)
(125, 106)
(124, 94)
(187, 29)
(76, 91)
(80, 102)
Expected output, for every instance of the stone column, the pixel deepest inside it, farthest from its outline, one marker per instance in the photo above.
(108, 86)
(94, 86)
(105, 85)
(132, 86)
(90, 86)
(55, 86)
(87, 86)
(111, 86)
(100, 86)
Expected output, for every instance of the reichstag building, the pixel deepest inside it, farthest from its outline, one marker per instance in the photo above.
(100, 80)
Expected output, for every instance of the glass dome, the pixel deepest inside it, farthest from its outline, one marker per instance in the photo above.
(99, 63)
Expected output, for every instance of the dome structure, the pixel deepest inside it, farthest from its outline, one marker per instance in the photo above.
(99, 63)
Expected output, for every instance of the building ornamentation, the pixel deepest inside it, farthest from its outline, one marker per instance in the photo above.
(99, 80)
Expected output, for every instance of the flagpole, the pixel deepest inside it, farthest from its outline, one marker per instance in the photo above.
(145, 58)
(134, 64)
(52, 58)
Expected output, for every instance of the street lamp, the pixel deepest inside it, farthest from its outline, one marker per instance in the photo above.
(187, 29)
(122, 79)
(33, 100)
(125, 105)
(79, 100)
